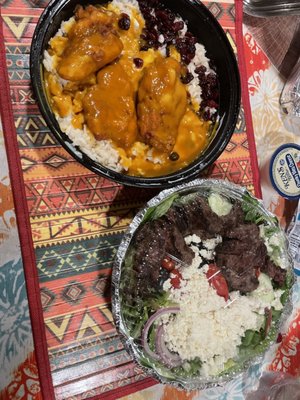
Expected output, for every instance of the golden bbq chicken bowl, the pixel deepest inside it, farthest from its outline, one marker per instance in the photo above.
(133, 91)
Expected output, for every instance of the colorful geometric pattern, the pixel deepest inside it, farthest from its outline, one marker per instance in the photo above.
(77, 221)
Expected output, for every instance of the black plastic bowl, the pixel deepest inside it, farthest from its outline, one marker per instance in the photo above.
(208, 32)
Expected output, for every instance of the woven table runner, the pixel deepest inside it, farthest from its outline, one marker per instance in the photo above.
(71, 222)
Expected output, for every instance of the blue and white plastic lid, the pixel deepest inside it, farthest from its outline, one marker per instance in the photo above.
(285, 171)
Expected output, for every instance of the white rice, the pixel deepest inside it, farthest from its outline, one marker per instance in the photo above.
(126, 7)
(65, 26)
(155, 160)
(200, 57)
(101, 151)
(163, 50)
(198, 60)
(183, 31)
(48, 62)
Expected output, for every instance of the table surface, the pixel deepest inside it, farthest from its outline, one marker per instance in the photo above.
(19, 377)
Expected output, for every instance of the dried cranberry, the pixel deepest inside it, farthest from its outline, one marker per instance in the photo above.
(124, 22)
(200, 70)
(163, 28)
(174, 156)
(202, 80)
(152, 35)
(180, 43)
(150, 22)
(186, 58)
(161, 14)
(206, 93)
(190, 38)
(169, 38)
(212, 104)
(178, 25)
(211, 79)
(138, 62)
(171, 17)
(191, 49)
(187, 78)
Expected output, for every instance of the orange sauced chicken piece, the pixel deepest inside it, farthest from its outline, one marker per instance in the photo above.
(162, 102)
(109, 107)
(93, 43)
(191, 140)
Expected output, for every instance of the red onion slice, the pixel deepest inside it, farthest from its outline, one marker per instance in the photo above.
(151, 320)
(168, 358)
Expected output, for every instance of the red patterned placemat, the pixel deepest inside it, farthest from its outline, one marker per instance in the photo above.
(26, 378)
(77, 220)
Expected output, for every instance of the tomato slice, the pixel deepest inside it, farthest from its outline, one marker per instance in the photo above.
(168, 264)
(175, 278)
(217, 281)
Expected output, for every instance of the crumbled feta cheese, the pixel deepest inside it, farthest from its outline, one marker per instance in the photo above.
(204, 327)
(208, 326)
(207, 254)
(192, 238)
(210, 244)
(274, 242)
(276, 303)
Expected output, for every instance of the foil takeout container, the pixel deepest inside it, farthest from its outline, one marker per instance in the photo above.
(120, 273)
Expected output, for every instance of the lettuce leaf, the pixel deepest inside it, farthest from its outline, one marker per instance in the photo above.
(161, 209)
(250, 207)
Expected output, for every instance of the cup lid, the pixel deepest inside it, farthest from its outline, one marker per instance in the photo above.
(285, 171)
